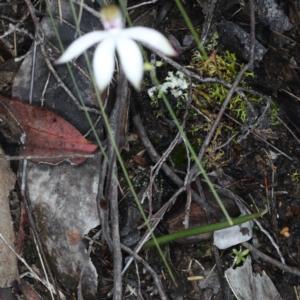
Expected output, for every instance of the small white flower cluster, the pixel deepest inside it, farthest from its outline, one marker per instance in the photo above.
(176, 84)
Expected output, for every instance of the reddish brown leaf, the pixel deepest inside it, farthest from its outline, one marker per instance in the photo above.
(47, 134)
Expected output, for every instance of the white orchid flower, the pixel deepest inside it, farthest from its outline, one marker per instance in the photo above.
(115, 38)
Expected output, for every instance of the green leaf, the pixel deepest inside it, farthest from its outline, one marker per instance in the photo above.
(235, 252)
(245, 252)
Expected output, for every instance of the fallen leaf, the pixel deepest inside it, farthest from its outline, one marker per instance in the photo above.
(247, 286)
(47, 134)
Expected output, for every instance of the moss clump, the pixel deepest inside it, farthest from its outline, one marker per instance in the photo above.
(224, 67)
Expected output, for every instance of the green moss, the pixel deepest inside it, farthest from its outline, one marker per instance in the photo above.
(295, 176)
(224, 67)
(179, 156)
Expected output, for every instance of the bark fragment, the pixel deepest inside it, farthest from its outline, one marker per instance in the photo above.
(8, 261)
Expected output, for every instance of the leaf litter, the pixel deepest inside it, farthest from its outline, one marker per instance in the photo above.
(71, 233)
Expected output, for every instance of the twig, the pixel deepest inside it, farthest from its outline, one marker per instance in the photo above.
(177, 139)
(102, 204)
(40, 39)
(270, 239)
(270, 260)
(149, 269)
(188, 73)
(42, 264)
(42, 99)
(273, 205)
(13, 28)
(63, 85)
(238, 90)
(95, 124)
(202, 195)
(224, 286)
(32, 14)
(34, 230)
(138, 280)
(88, 9)
(157, 218)
(155, 156)
(272, 146)
(111, 193)
(253, 126)
(166, 154)
(29, 157)
(289, 129)
(187, 207)
(156, 168)
(32, 273)
(189, 102)
(91, 242)
(207, 22)
(259, 226)
(142, 4)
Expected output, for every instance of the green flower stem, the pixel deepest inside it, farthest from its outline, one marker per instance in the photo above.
(202, 229)
(192, 29)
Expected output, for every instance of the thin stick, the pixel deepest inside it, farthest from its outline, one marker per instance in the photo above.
(88, 9)
(63, 85)
(13, 28)
(273, 205)
(157, 218)
(91, 242)
(149, 269)
(29, 157)
(261, 228)
(208, 19)
(36, 235)
(188, 207)
(138, 280)
(32, 273)
(142, 4)
(176, 140)
(270, 260)
(155, 157)
(289, 129)
(111, 193)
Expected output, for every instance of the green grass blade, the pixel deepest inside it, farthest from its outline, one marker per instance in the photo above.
(202, 229)
(192, 29)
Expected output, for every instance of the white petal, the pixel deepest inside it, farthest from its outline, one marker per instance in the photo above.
(103, 62)
(82, 44)
(151, 37)
(131, 60)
